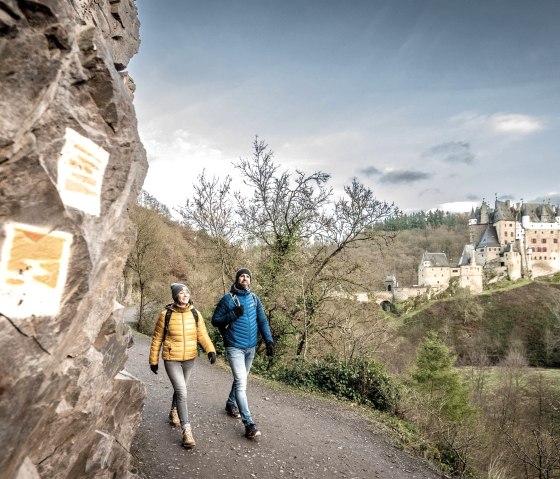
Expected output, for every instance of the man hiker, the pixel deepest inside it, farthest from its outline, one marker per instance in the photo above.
(239, 315)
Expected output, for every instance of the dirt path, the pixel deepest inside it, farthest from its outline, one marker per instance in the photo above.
(301, 437)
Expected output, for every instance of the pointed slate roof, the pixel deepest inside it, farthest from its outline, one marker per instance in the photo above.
(489, 238)
(539, 213)
(466, 255)
(503, 212)
(435, 259)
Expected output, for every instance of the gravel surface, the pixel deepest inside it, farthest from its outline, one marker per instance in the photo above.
(302, 437)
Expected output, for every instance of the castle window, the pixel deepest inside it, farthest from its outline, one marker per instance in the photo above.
(555, 240)
(533, 240)
(544, 249)
(543, 240)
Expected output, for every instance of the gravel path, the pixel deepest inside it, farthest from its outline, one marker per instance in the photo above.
(301, 437)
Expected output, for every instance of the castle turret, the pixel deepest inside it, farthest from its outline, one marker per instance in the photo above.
(484, 213)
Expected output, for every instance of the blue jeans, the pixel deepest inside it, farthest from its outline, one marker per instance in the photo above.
(240, 361)
(179, 373)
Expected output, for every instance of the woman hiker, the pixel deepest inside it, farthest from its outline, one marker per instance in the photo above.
(180, 328)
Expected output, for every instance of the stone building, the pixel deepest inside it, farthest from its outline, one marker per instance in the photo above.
(434, 270)
(518, 240)
(506, 242)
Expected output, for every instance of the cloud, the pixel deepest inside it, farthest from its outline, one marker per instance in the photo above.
(179, 146)
(403, 176)
(553, 197)
(428, 191)
(458, 206)
(516, 124)
(506, 197)
(369, 171)
(451, 152)
(499, 123)
(176, 159)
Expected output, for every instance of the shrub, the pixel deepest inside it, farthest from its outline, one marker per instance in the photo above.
(359, 380)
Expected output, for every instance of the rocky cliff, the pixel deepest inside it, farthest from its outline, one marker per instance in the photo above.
(71, 164)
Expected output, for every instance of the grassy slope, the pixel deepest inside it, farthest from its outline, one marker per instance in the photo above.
(526, 317)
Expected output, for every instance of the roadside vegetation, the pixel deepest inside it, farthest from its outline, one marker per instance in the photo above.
(469, 382)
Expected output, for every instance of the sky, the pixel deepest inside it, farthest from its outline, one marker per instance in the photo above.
(430, 103)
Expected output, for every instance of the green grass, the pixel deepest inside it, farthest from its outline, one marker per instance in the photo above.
(493, 375)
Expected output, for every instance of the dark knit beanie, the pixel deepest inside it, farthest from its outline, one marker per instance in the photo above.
(243, 271)
(176, 289)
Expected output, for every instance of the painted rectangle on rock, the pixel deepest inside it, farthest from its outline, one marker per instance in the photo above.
(81, 167)
(33, 267)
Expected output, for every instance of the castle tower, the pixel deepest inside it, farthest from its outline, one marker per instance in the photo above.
(483, 213)
(391, 282)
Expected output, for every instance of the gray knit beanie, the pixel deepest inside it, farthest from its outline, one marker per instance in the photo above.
(243, 271)
(176, 289)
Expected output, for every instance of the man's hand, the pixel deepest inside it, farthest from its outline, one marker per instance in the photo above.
(270, 348)
(238, 311)
(212, 357)
(154, 368)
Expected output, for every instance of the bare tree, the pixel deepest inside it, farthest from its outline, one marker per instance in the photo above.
(300, 235)
(145, 258)
(355, 329)
(211, 211)
(534, 434)
(303, 230)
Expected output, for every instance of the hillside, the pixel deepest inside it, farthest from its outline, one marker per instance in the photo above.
(487, 327)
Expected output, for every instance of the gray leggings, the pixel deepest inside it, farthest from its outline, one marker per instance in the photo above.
(179, 372)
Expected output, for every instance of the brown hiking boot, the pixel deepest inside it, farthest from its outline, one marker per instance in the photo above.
(174, 418)
(188, 439)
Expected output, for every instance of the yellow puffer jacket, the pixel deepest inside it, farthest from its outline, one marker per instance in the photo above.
(182, 337)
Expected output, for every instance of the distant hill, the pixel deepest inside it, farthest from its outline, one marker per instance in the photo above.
(488, 326)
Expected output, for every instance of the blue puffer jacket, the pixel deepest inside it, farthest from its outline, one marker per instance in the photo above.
(241, 332)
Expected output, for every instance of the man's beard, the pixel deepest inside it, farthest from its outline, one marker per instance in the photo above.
(241, 285)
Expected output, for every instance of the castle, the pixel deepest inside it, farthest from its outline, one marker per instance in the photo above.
(509, 241)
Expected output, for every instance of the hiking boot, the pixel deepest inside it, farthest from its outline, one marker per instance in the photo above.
(232, 410)
(174, 418)
(188, 439)
(251, 431)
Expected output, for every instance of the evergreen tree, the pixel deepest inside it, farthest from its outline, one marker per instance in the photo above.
(438, 382)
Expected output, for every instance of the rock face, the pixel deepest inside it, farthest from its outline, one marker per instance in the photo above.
(71, 164)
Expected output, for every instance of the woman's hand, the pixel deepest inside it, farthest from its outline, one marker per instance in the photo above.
(212, 357)
(154, 368)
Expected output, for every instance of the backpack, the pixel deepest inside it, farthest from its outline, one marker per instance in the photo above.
(168, 317)
(236, 300)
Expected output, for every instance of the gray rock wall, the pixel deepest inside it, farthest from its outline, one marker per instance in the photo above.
(71, 164)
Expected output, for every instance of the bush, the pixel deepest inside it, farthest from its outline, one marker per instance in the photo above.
(360, 380)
